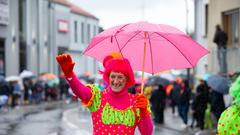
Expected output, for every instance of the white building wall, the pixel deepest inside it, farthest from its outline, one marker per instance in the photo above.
(12, 40)
(201, 35)
(83, 63)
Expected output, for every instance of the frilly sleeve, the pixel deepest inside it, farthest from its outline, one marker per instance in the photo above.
(235, 91)
(94, 103)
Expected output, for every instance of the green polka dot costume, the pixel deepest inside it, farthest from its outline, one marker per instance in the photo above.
(229, 122)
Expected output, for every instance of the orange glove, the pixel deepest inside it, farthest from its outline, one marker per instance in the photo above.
(66, 63)
(142, 103)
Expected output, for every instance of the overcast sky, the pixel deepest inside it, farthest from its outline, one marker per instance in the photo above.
(115, 12)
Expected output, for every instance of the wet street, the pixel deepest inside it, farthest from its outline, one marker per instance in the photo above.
(78, 121)
(68, 119)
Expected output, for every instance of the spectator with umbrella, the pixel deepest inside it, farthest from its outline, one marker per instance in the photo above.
(158, 103)
(174, 96)
(15, 89)
(199, 104)
(28, 86)
(27, 77)
(219, 85)
(217, 103)
(4, 92)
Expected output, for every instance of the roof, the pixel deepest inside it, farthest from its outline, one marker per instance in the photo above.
(62, 2)
(78, 10)
(75, 9)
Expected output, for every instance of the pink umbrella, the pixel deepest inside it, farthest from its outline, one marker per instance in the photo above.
(149, 47)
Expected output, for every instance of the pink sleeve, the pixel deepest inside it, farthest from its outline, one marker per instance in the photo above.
(145, 126)
(81, 91)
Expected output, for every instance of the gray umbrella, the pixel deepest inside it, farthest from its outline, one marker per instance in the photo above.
(219, 83)
(156, 80)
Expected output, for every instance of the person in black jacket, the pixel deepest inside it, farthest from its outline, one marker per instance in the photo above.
(220, 38)
(158, 103)
(174, 96)
(217, 103)
(183, 104)
(199, 104)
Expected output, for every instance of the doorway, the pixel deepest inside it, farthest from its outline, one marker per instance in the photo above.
(2, 57)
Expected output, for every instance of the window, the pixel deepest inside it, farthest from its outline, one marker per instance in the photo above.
(88, 32)
(94, 30)
(22, 39)
(231, 26)
(2, 57)
(75, 31)
(82, 32)
(206, 19)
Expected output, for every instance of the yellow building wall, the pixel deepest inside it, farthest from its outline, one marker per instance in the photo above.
(216, 8)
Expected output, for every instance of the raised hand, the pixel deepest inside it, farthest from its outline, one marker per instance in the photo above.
(66, 63)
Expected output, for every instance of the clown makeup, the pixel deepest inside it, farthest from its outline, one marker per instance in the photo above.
(117, 81)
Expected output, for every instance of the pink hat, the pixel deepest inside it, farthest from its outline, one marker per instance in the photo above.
(115, 62)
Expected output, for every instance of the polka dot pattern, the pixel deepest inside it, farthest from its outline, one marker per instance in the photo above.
(99, 128)
(229, 121)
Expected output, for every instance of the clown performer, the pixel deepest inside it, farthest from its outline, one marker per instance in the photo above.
(113, 110)
(229, 122)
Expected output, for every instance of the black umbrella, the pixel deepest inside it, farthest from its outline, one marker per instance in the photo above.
(156, 80)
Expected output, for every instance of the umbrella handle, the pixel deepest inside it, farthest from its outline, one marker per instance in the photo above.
(144, 58)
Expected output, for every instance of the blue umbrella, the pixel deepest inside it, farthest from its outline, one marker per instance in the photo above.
(218, 83)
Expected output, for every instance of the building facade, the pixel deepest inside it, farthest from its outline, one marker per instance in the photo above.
(228, 16)
(83, 26)
(9, 37)
(34, 32)
(200, 34)
(209, 13)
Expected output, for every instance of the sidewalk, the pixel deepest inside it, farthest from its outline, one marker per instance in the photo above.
(173, 122)
(9, 119)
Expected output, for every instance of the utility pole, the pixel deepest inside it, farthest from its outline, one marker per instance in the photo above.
(143, 10)
(187, 11)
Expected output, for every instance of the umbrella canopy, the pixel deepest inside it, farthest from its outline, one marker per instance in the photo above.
(53, 82)
(168, 76)
(48, 76)
(149, 47)
(157, 80)
(159, 47)
(26, 74)
(13, 78)
(218, 83)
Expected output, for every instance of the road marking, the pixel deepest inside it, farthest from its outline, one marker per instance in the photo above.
(82, 132)
(69, 123)
(54, 133)
(73, 126)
